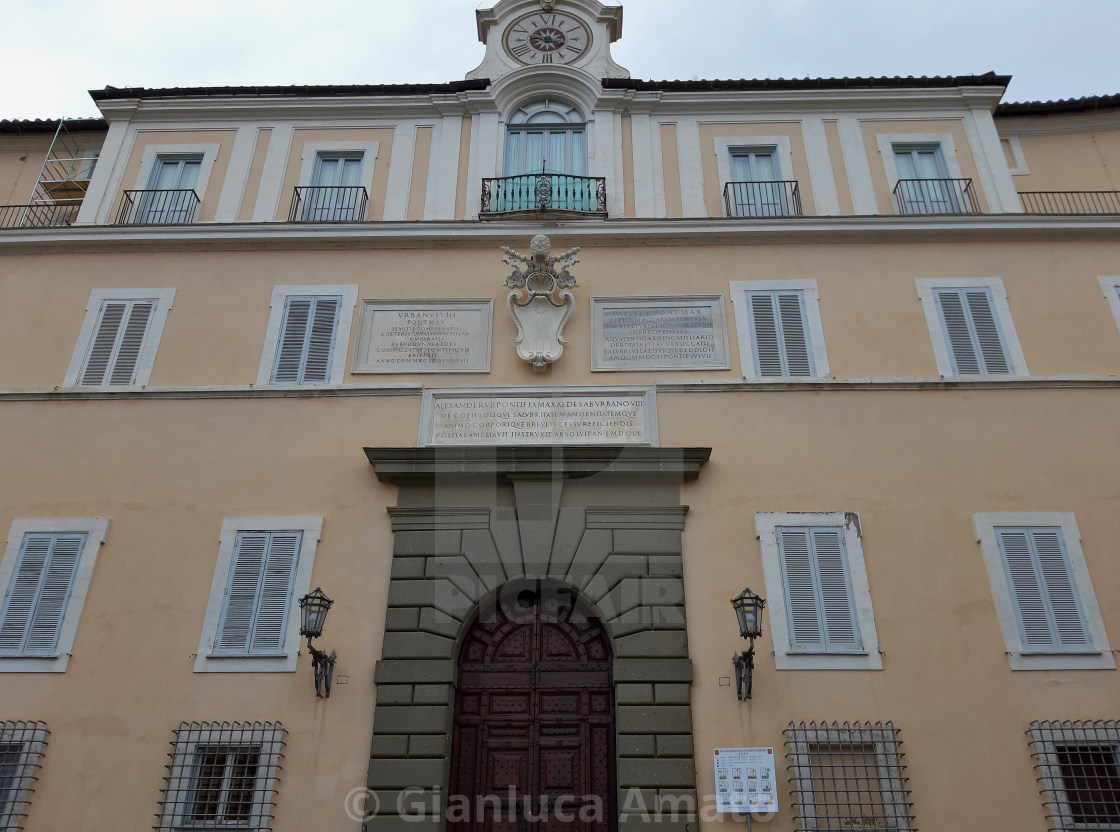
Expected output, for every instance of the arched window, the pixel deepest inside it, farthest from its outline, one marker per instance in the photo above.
(546, 136)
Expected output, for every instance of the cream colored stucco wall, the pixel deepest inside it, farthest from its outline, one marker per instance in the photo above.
(883, 197)
(713, 188)
(384, 138)
(214, 185)
(1082, 161)
(19, 168)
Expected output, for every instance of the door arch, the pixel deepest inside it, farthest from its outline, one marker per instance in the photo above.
(533, 735)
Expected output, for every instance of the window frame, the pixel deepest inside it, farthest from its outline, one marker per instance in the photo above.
(182, 779)
(280, 295)
(163, 299)
(942, 351)
(32, 737)
(1110, 287)
(786, 655)
(744, 326)
(95, 529)
(1044, 750)
(1021, 657)
(891, 775)
(207, 660)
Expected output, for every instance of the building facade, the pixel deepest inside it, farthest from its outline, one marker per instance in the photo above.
(852, 343)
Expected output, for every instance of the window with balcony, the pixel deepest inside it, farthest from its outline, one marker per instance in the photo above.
(545, 164)
(336, 193)
(222, 776)
(756, 188)
(1044, 597)
(170, 196)
(924, 184)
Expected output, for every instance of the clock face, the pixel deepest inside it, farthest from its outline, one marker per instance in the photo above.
(547, 38)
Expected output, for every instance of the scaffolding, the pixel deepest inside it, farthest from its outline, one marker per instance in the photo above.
(61, 186)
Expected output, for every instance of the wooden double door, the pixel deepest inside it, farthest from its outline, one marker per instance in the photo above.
(533, 744)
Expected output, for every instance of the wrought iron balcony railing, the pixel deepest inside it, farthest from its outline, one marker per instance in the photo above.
(1070, 202)
(158, 207)
(762, 199)
(935, 196)
(329, 204)
(46, 215)
(545, 192)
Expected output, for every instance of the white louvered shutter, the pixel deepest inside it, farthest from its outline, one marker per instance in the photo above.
(117, 342)
(818, 589)
(972, 332)
(39, 593)
(1042, 587)
(781, 339)
(259, 593)
(306, 341)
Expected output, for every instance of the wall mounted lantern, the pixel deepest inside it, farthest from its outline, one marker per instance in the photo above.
(748, 609)
(313, 608)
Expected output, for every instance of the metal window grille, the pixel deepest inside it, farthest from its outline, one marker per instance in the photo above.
(846, 776)
(1078, 765)
(21, 747)
(222, 776)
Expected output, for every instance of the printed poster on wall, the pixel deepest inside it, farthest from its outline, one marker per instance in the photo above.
(746, 780)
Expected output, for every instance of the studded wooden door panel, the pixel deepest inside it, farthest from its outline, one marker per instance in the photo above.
(533, 745)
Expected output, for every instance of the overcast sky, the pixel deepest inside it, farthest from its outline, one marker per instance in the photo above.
(52, 51)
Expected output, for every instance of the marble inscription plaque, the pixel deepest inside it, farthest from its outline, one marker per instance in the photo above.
(424, 336)
(530, 416)
(670, 332)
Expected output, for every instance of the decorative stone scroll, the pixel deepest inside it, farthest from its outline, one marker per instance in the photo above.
(424, 336)
(667, 332)
(540, 303)
(532, 416)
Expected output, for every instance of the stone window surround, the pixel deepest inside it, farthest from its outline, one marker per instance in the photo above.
(280, 295)
(205, 661)
(985, 525)
(94, 529)
(786, 657)
(743, 329)
(1016, 362)
(163, 300)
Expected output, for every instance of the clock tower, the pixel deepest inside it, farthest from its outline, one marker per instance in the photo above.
(525, 34)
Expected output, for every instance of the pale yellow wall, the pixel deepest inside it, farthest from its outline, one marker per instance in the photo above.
(1088, 161)
(671, 171)
(300, 136)
(839, 170)
(874, 325)
(464, 164)
(420, 162)
(214, 185)
(713, 188)
(18, 171)
(883, 196)
(256, 170)
(628, 164)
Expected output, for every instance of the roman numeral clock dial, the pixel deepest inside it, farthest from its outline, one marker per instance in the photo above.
(546, 38)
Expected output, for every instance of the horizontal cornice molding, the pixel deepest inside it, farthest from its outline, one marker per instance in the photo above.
(424, 466)
(612, 232)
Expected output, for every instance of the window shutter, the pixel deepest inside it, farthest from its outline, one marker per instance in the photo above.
(801, 596)
(320, 345)
(259, 593)
(836, 597)
(972, 332)
(306, 341)
(39, 592)
(105, 339)
(818, 589)
(128, 353)
(1041, 584)
(781, 344)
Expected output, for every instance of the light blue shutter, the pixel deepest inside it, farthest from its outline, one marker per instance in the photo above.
(306, 341)
(117, 342)
(818, 589)
(1042, 587)
(36, 601)
(972, 332)
(779, 330)
(259, 592)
